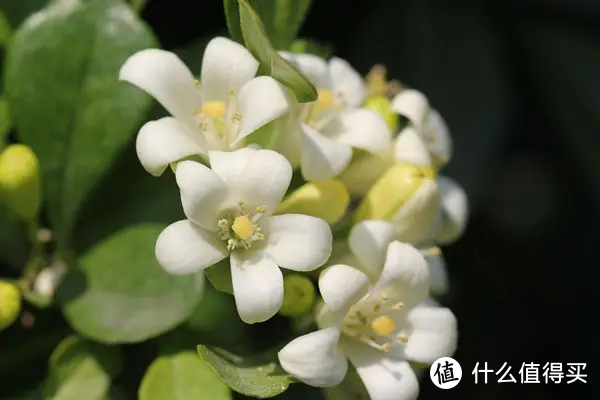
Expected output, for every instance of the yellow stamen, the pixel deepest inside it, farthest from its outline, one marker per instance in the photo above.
(214, 109)
(403, 339)
(243, 227)
(197, 83)
(383, 325)
(325, 97)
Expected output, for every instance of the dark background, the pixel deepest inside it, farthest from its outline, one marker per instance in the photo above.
(518, 83)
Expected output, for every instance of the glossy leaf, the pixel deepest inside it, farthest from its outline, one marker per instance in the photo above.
(271, 63)
(282, 19)
(119, 293)
(66, 101)
(81, 369)
(262, 381)
(182, 376)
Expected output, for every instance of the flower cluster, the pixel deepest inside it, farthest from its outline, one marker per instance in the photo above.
(376, 281)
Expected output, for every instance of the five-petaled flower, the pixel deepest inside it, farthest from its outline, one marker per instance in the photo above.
(229, 210)
(216, 113)
(378, 326)
(322, 137)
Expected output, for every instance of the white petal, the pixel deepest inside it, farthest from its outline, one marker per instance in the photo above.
(261, 101)
(455, 210)
(341, 287)
(437, 136)
(162, 142)
(226, 66)
(416, 220)
(363, 129)
(315, 358)
(384, 378)
(164, 76)
(184, 248)
(257, 286)
(202, 193)
(298, 242)
(409, 147)
(314, 67)
(368, 241)
(347, 81)
(322, 157)
(413, 105)
(434, 334)
(405, 275)
(438, 275)
(257, 177)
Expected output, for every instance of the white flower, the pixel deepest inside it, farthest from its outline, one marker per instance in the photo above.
(378, 327)
(330, 127)
(426, 122)
(226, 106)
(229, 209)
(454, 211)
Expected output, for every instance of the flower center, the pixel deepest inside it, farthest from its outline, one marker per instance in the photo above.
(241, 228)
(214, 109)
(321, 112)
(372, 323)
(218, 121)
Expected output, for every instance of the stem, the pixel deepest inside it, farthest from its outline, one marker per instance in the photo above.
(37, 257)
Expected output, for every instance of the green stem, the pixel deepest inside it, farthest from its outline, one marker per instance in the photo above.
(138, 5)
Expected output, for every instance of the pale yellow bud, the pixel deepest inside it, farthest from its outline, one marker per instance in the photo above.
(407, 196)
(327, 200)
(20, 184)
(10, 304)
(298, 296)
(363, 172)
(381, 105)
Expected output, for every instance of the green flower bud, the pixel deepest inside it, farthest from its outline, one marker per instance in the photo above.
(20, 184)
(10, 304)
(381, 104)
(406, 195)
(327, 200)
(298, 296)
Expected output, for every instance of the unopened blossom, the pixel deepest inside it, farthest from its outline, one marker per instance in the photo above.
(329, 128)
(426, 122)
(216, 113)
(378, 325)
(48, 280)
(229, 209)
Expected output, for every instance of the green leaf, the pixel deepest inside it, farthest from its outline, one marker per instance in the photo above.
(351, 387)
(271, 63)
(17, 10)
(81, 369)
(232, 15)
(66, 101)
(128, 195)
(120, 294)
(219, 276)
(311, 47)
(281, 19)
(182, 376)
(262, 381)
(5, 30)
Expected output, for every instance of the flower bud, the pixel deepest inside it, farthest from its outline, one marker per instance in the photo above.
(20, 184)
(327, 200)
(363, 172)
(298, 296)
(381, 105)
(10, 304)
(406, 195)
(48, 280)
